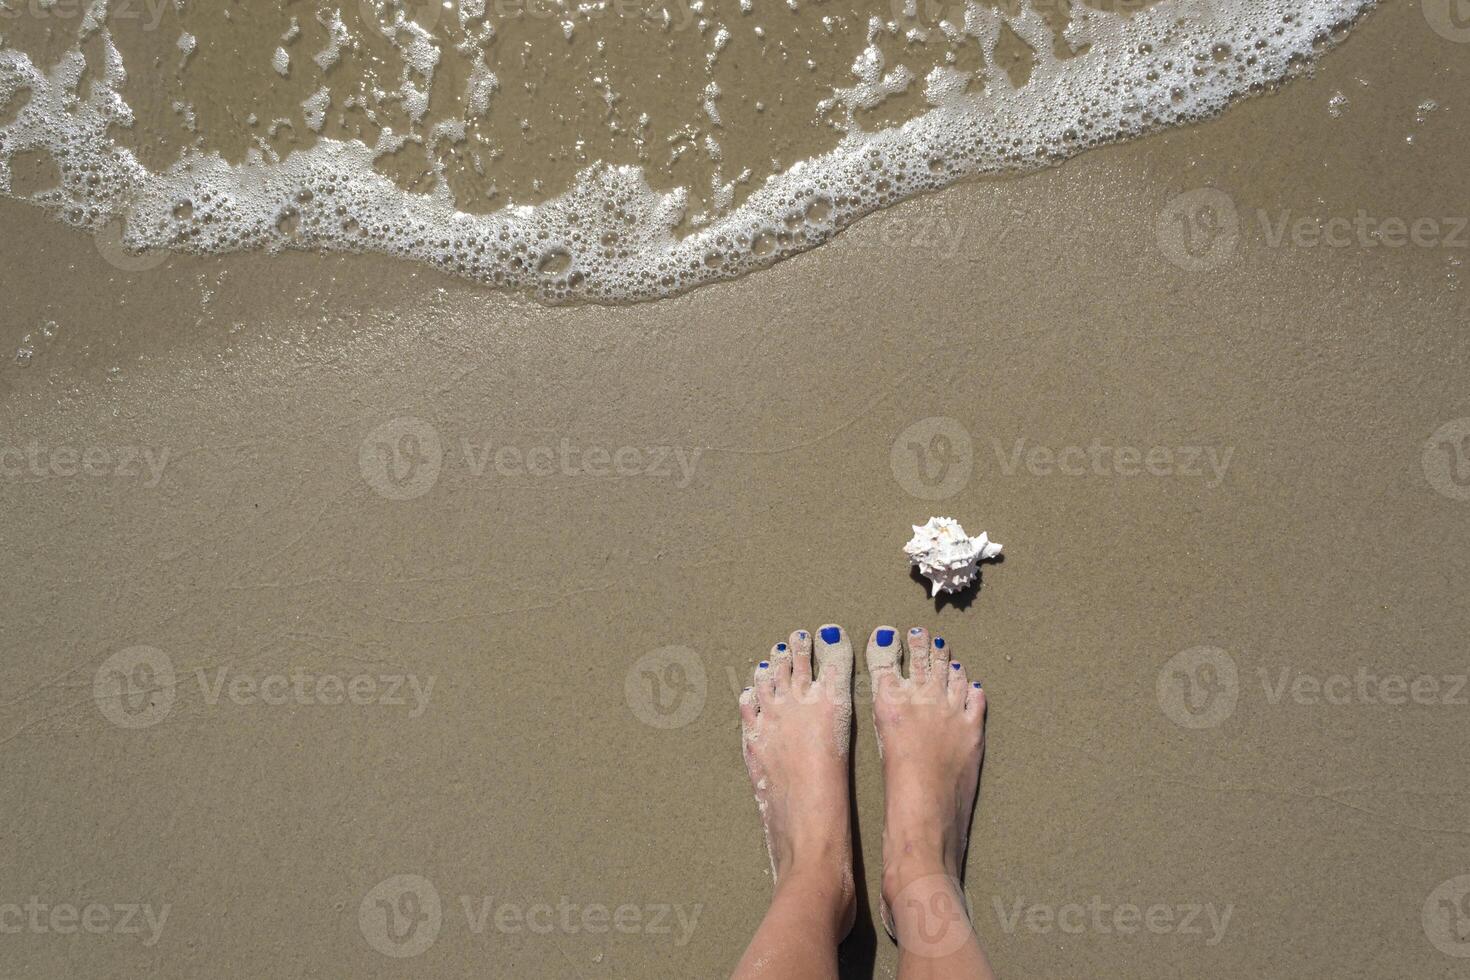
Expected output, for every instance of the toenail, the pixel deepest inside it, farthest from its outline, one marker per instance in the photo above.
(976, 685)
(831, 634)
(763, 664)
(781, 647)
(885, 638)
(954, 666)
(939, 642)
(801, 634)
(916, 631)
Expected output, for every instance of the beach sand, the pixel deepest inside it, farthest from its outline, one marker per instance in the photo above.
(1212, 750)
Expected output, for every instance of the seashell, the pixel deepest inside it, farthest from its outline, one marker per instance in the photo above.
(947, 556)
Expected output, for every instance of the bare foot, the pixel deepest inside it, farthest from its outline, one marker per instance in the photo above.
(931, 735)
(796, 728)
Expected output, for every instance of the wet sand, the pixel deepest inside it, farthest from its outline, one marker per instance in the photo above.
(1170, 746)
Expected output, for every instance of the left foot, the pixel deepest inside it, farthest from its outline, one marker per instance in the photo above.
(796, 729)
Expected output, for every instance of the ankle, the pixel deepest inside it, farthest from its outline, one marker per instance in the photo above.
(908, 861)
(826, 893)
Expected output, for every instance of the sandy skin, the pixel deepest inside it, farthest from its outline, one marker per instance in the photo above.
(796, 723)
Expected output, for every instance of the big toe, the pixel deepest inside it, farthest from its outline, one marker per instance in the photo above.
(834, 658)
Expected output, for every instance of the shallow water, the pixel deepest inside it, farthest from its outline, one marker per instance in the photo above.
(608, 150)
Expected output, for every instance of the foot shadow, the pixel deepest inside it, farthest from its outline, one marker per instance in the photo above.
(959, 600)
(857, 956)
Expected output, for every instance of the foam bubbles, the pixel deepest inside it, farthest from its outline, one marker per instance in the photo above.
(611, 236)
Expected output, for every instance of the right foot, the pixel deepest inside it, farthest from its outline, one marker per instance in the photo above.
(931, 736)
(796, 726)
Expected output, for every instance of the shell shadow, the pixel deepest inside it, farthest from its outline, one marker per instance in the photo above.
(959, 600)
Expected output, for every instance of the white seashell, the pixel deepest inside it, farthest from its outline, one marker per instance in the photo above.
(947, 556)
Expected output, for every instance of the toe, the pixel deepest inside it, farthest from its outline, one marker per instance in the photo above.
(780, 661)
(939, 657)
(882, 657)
(800, 643)
(748, 713)
(975, 703)
(918, 647)
(765, 683)
(959, 682)
(834, 657)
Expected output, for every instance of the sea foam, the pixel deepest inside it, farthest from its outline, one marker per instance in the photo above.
(610, 236)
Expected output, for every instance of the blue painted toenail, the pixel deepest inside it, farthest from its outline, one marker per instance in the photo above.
(916, 631)
(954, 666)
(801, 634)
(939, 642)
(781, 647)
(977, 685)
(763, 665)
(831, 634)
(885, 638)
